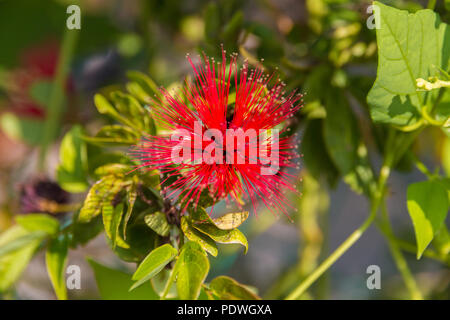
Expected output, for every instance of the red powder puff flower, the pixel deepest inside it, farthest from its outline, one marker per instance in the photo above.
(232, 150)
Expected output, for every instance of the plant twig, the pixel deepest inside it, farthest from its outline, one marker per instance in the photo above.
(397, 255)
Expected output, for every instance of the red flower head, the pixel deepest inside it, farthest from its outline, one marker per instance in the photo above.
(229, 149)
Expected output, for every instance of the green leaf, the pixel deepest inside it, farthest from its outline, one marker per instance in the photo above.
(20, 242)
(153, 264)
(131, 199)
(98, 156)
(194, 235)
(136, 90)
(114, 284)
(113, 136)
(340, 132)
(231, 220)
(222, 236)
(83, 232)
(116, 169)
(146, 84)
(129, 107)
(343, 142)
(72, 170)
(100, 194)
(105, 107)
(408, 47)
(199, 215)
(56, 260)
(39, 222)
(227, 288)
(157, 222)
(14, 262)
(141, 240)
(112, 216)
(315, 154)
(428, 205)
(201, 221)
(191, 270)
(164, 284)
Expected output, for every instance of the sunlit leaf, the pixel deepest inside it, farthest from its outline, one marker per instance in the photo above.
(202, 239)
(131, 199)
(223, 236)
(428, 205)
(112, 216)
(14, 262)
(153, 264)
(101, 193)
(72, 171)
(157, 222)
(227, 288)
(56, 260)
(408, 47)
(231, 220)
(191, 270)
(39, 222)
(114, 135)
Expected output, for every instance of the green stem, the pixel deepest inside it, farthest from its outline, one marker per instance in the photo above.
(325, 265)
(57, 93)
(376, 199)
(421, 166)
(302, 287)
(431, 4)
(428, 118)
(397, 255)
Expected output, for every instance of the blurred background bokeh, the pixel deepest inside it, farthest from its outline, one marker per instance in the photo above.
(310, 43)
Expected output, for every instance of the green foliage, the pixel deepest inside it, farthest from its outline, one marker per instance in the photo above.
(230, 220)
(112, 216)
(114, 284)
(157, 222)
(153, 264)
(316, 157)
(428, 205)
(114, 135)
(39, 223)
(134, 118)
(328, 57)
(72, 170)
(56, 259)
(18, 245)
(101, 193)
(341, 136)
(201, 221)
(190, 271)
(196, 236)
(411, 46)
(226, 288)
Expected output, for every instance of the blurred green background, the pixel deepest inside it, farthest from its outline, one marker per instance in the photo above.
(312, 44)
